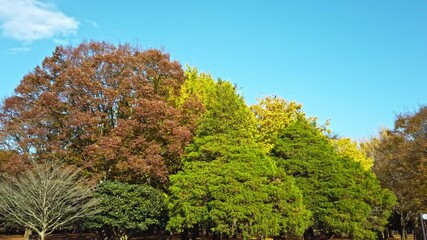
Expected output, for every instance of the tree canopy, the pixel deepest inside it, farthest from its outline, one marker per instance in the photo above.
(273, 114)
(126, 209)
(177, 149)
(228, 184)
(101, 107)
(339, 192)
(346, 147)
(400, 159)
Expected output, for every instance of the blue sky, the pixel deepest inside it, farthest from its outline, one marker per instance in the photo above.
(357, 63)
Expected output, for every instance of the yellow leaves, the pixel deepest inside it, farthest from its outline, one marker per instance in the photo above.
(349, 148)
(272, 115)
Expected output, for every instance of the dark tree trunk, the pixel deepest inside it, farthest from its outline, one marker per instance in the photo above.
(195, 232)
(184, 234)
(309, 234)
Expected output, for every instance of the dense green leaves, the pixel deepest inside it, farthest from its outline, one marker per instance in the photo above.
(228, 184)
(128, 208)
(341, 194)
(239, 192)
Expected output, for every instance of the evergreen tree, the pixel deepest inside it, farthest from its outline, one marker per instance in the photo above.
(228, 184)
(339, 192)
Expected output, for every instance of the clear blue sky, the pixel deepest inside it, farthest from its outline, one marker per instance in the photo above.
(355, 62)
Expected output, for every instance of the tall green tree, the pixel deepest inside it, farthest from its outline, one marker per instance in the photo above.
(400, 160)
(339, 192)
(102, 107)
(228, 184)
(240, 192)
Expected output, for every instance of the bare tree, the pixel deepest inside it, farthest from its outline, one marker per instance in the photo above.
(46, 197)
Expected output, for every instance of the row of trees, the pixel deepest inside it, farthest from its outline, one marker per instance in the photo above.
(173, 149)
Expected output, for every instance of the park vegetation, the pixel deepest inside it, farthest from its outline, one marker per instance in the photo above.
(172, 151)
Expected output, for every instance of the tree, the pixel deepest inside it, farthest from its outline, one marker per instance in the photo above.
(272, 115)
(11, 162)
(239, 192)
(127, 208)
(45, 198)
(339, 192)
(400, 160)
(105, 108)
(228, 185)
(349, 148)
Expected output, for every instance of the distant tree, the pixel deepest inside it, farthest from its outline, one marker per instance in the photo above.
(11, 162)
(126, 209)
(105, 108)
(45, 198)
(400, 160)
(339, 192)
(346, 147)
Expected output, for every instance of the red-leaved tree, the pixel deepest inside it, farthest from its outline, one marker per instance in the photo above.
(102, 107)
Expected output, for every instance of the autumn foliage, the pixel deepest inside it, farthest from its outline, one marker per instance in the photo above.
(179, 150)
(103, 108)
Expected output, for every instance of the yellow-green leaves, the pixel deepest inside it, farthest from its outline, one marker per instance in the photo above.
(349, 148)
(272, 115)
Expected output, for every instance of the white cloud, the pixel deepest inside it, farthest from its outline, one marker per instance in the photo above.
(19, 50)
(30, 20)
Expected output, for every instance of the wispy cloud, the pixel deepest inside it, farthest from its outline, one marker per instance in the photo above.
(19, 50)
(93, 23)
(29, 20)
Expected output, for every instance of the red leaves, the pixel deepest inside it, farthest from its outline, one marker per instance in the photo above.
(101, 107)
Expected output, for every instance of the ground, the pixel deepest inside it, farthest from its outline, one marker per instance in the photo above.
(91, 237)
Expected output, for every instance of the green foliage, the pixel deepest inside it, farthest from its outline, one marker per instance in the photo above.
(128, 208)
(343, 197)
(240, 191)
(197, 86)
(272, 115)
(224, 111)
(228, 184)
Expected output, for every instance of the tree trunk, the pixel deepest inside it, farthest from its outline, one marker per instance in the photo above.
(380, 235)
(184, 234)
(27, 234)
(309, 234)
(42, 235)
(403, 226)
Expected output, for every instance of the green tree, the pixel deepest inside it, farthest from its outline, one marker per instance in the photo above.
(272, 115)
(126, 209)
(339, 192)
(400, 160)
(227, 183)
(235, 189)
